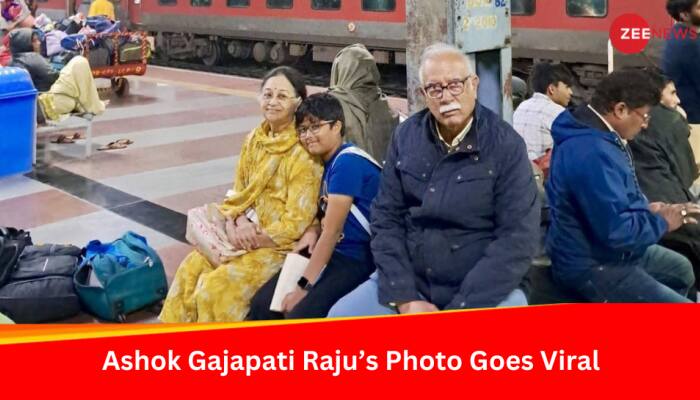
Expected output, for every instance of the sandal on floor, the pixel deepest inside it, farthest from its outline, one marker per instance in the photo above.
(125, 142)
(63, 139)
(113, 146)
(77, 136)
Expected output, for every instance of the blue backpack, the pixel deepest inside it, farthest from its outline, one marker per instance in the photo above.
(120, 277)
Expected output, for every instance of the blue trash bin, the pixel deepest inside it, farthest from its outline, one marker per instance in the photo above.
(17, 121)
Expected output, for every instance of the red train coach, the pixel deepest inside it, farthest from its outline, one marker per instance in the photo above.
(576, 32)
(275, 31)
(570, 31)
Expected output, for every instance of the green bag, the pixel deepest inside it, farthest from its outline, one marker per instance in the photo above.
(120, 277)
(131, 52)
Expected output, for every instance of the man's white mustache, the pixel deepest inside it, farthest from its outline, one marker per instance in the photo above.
(450, 107)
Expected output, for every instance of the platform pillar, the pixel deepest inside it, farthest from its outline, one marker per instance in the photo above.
(481, 29)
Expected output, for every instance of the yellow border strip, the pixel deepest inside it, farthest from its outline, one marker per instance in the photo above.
(42, 333)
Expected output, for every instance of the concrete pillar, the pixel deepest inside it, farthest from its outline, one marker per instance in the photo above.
(427, 22)
(480, 28)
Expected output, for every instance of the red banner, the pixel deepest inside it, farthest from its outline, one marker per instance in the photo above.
(567, 351)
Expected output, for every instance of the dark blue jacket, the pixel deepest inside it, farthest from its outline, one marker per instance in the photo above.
(598, 213)
(458, 230)
(680, 63)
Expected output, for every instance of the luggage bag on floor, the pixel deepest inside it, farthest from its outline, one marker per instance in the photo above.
(40, 287)
(120, 277)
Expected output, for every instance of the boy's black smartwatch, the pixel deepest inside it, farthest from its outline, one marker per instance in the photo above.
(304, 284)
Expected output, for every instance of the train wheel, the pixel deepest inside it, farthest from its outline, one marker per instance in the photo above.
(261, 52)
(239, 49)
(213, 56)
(120, 86)
(279, 53)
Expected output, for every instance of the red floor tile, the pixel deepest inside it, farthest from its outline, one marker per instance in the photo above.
(42, 208)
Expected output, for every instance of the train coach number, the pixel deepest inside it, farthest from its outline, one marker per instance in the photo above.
(479, 3)
(485, 3)
(480, 22)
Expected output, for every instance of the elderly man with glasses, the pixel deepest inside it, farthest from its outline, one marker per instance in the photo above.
(456, 220)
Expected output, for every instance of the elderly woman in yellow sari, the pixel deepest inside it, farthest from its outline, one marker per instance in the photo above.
(277, 179)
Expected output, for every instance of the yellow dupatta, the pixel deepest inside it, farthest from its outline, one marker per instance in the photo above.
(268, 152)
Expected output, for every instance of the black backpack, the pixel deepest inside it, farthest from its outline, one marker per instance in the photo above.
(40, 287)
(12, 243)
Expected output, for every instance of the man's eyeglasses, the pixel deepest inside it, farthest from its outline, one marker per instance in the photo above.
(436, 90)
(645, 117)
(312, 129)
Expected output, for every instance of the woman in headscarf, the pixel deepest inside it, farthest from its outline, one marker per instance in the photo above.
(70, 90)
(277, 179)
(369, 122)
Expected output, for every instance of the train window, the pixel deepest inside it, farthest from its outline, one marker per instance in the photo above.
(279, 3)
(523, 7)
(587, 8)
(238, 3)
(378, 5)
(200, 3)
(167, 2)
(325, 4)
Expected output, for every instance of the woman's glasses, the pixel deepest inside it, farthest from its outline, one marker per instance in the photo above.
(281, 97)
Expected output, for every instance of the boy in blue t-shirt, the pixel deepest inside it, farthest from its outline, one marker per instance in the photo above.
(339, 245)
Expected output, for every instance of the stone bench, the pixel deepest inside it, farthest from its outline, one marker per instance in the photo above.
(73, 122)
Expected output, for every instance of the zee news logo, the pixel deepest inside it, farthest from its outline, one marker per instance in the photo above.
(631, 33)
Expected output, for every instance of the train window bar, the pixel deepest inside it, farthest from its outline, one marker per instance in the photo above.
(279, 3)
(378, 5)
(523, 7)
(238, 3)
(325, 4)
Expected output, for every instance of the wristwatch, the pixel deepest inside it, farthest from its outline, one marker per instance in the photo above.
(304, 284)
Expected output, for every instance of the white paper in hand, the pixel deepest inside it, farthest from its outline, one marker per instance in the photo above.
(292, 269)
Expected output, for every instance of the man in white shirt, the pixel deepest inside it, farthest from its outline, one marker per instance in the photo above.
(551, 84)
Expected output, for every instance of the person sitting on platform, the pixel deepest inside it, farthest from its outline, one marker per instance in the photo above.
(339, 246)
(665, 166)
(369, 121)
(457, 215)
(604, 233)
(277, 179)
(61, 93)
(551, 84)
